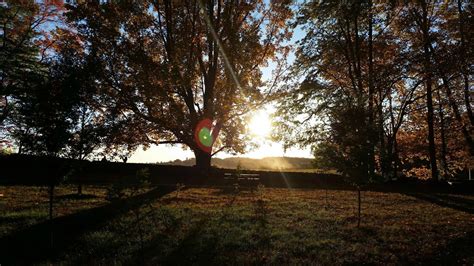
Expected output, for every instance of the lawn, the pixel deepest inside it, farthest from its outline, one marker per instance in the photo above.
(236, 226)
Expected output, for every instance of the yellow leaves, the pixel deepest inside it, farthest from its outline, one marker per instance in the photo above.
(418, 172)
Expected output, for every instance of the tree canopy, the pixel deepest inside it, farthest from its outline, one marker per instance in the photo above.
(164, 66)
(383, 87)
(377, 89)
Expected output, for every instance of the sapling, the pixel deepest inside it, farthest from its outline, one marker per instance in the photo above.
(179, 187)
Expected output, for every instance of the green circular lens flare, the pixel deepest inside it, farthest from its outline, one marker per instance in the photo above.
(205, 137)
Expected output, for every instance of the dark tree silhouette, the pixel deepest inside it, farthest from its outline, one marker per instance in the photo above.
(386, 63)
(164, 66)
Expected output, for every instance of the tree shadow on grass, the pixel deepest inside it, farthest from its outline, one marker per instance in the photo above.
(195, 247)
(457, 252)
(76, 197)
(446, 200)
(33, 244)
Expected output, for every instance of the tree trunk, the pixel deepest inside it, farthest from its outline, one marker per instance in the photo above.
(358, 210)
(371, 99)
(467, 100)
(391, 143)
(429, 93)
(465, 65)
(79, 189)
(431, 135)
(457, 114)
(444, 148)
(203, 161)
(51, 197)
(383, 144)
(327, 201)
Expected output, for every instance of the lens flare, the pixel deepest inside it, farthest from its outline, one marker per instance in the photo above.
(205, 134)
(205, 137)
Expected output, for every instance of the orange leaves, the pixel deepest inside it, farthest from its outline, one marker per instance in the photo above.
(55, 3)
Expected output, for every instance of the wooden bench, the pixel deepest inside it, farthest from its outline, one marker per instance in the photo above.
(245, 180)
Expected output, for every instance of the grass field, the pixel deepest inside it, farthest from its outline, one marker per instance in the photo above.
(218, 226)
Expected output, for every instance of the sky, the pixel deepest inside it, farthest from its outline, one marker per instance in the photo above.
(267, 148)
(165, 153)
(260, 130)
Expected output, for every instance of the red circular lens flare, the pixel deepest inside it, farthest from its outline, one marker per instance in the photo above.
(203, 136)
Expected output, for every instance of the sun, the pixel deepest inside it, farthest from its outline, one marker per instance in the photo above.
(260, 124)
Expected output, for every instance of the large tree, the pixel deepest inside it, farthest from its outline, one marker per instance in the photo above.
(402, 67)
(22, 36)
(165, 66)
(338, 58)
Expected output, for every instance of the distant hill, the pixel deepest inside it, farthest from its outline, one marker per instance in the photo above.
(267, 163)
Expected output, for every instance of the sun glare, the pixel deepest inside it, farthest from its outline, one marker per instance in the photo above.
(260, 124)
